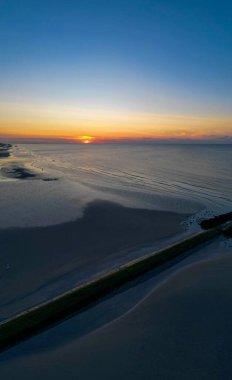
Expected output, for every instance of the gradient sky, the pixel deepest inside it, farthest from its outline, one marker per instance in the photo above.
(111, 69)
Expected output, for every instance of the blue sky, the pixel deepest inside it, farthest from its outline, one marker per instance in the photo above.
(163, 57)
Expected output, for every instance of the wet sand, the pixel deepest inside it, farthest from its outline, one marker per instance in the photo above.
(39, 263)
(181, 330)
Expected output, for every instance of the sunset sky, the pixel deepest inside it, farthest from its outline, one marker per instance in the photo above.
(106, 69)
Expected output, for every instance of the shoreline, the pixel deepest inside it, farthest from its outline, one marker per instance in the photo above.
(18, 167)
(37, 263)
(56, 310)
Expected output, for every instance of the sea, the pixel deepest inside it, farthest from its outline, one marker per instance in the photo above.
(194, 179)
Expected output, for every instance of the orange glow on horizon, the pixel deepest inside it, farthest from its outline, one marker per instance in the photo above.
(85, 125)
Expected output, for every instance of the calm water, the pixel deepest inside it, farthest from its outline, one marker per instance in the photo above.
(162, 176)
(195, 179)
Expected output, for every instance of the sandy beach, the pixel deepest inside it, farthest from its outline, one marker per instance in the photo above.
(38, 263)
(180, 329)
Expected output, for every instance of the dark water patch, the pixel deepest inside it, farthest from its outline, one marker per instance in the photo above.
(49, 179)
(5, 146)
(17, 172)
(4, 154)
(4, 150)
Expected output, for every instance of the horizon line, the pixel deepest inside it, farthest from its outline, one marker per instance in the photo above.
(100, 140)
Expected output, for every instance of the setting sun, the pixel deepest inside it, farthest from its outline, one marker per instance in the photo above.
(86, 139)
